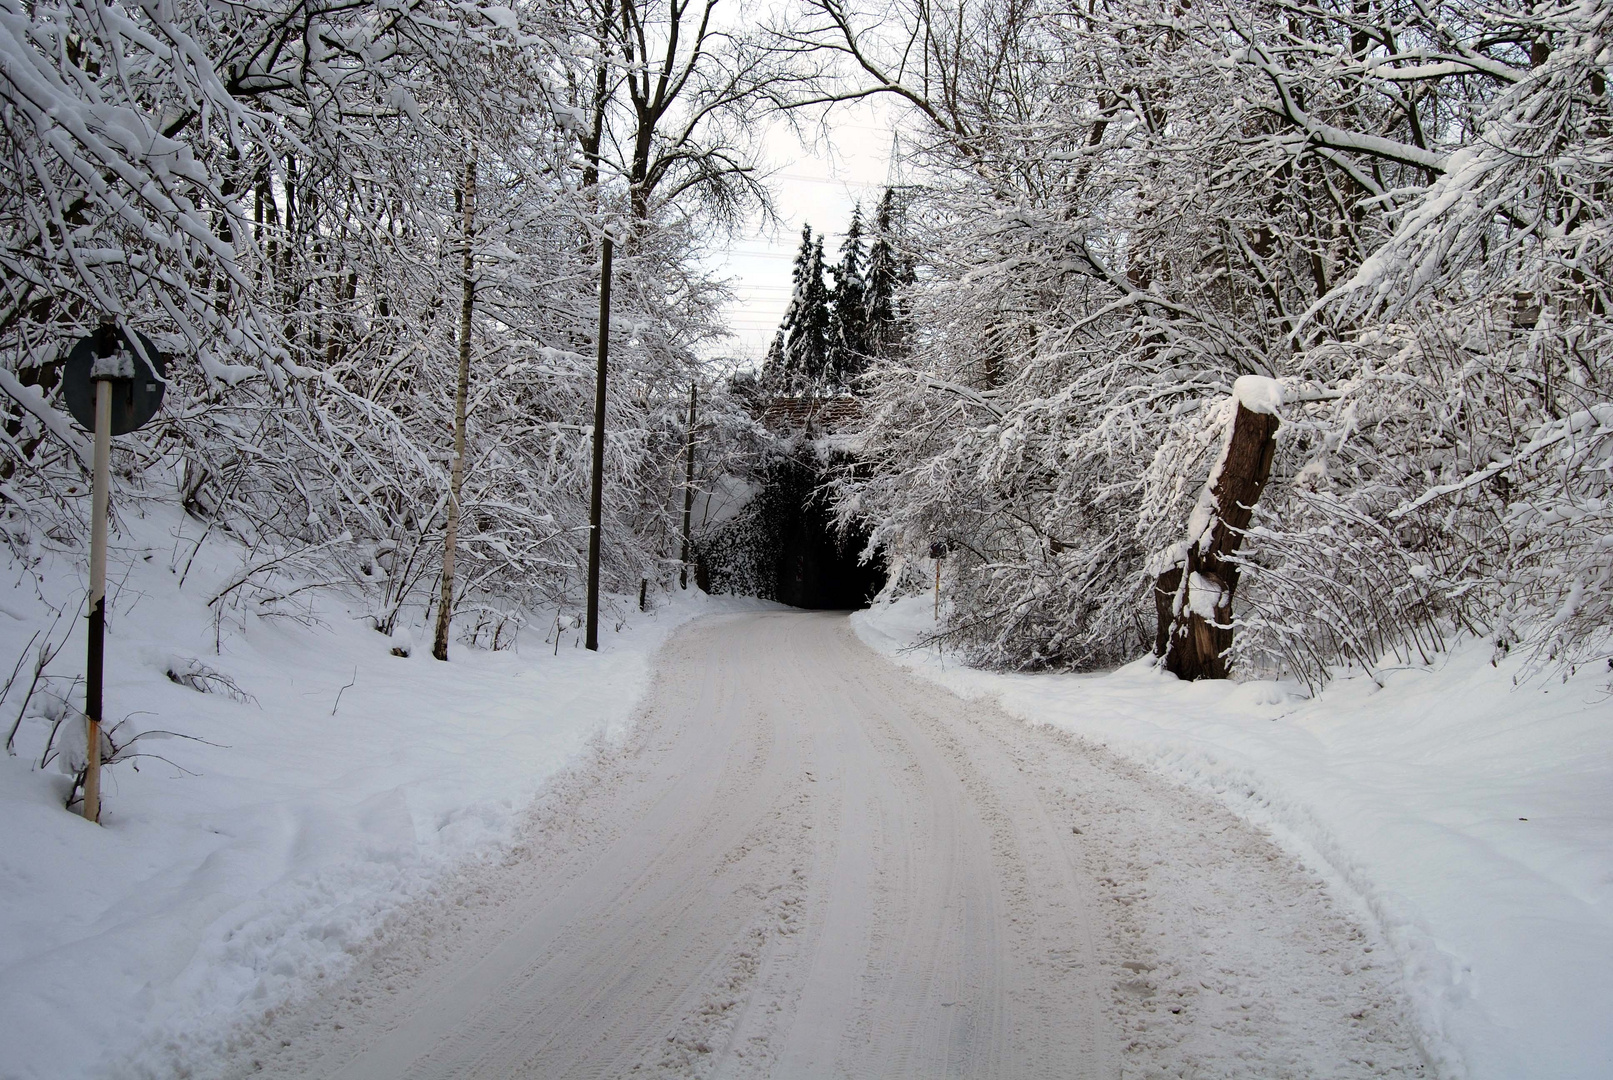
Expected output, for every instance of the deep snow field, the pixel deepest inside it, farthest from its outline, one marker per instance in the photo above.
(248, 868)
(1470, 819)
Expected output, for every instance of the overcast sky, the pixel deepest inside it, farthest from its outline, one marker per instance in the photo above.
(814, 185)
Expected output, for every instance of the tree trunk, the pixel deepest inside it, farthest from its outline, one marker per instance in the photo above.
(1193, 645)
(467, 283)
(688, 496)
(639, 176)
(595, 135)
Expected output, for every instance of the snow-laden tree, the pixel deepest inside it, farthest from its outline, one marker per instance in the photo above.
(1384, 208)
(1473, 346)
(838, 315)
(847, 349)
(274, 192)
(799, 357)
(888, 274)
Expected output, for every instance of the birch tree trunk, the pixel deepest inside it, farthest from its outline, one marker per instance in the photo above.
(457, 475)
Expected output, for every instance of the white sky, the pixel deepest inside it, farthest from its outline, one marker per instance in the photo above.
(813, 185)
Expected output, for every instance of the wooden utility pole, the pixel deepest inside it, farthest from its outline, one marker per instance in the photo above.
(456, 478)
(596, 497)
(688, 495)
(1192, 645)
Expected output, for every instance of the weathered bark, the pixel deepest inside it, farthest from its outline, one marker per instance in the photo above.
(1192, 646)
(467, 281)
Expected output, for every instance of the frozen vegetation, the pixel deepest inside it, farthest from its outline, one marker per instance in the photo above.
(1262, 343)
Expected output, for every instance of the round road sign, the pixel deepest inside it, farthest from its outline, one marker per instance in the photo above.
(137, 379)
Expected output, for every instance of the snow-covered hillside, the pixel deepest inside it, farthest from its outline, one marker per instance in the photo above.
(279, 827)
(1472, 819)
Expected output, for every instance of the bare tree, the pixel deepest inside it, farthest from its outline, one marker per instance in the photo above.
(1129, 207)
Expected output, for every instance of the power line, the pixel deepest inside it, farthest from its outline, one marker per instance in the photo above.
(828, 180)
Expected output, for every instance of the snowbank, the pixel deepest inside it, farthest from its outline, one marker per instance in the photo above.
(1471, 820)
(230, 877)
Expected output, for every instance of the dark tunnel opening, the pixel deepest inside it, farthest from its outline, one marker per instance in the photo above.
(785, 546)
(817, 568)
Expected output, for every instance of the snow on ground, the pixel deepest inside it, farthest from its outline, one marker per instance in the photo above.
(248, 867)
(1472, 820)
(805, 863)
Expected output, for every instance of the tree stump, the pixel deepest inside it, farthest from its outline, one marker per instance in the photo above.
(1193, 598)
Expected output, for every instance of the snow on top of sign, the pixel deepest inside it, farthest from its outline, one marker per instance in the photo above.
(120, 365)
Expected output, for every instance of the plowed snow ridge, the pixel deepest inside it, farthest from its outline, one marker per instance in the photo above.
(806, 863)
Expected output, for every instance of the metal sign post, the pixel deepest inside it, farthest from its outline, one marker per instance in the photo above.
(97, 650)
(112, 386)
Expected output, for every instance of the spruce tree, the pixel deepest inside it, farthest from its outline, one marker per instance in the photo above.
(774, 376)
(887, 273)
(847, 350)
(796, 357)
(806, 335)
(779, 372)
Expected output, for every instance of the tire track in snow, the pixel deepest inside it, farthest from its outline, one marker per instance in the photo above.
(806, 863)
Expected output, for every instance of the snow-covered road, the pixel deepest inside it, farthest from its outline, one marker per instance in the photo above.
(804, 862)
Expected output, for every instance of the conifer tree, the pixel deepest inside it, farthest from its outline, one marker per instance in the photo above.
(847, 351)
(773, 374)
(885, 274)
(806, 322)
(782, 371)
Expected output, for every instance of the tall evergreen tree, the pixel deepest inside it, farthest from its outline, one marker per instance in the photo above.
(806, 322)
(779, 371)
(886, 273)
(848, 340)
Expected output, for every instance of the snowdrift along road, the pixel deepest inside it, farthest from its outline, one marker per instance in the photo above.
(804, 863)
